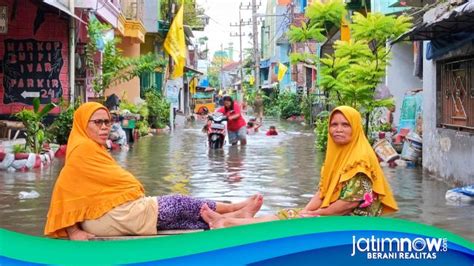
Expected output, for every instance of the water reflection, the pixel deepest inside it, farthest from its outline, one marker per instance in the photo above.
(285, 169)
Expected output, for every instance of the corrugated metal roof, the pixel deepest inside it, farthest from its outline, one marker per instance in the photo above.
(441, 22)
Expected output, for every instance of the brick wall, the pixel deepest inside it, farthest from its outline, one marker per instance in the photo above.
(39, 61)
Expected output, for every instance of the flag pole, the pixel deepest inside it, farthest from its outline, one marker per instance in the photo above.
(170, 60)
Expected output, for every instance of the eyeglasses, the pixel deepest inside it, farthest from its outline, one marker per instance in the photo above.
(100, 122)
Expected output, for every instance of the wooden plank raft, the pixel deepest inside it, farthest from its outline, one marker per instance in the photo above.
(161, 233)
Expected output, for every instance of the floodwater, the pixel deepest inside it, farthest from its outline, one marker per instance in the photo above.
(284, 169)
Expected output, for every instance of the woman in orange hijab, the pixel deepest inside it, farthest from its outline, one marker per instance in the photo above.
(352, 182)
(93, 195)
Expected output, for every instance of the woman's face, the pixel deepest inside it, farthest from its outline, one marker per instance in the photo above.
(340, 129)
(98, 127)
(227, 104)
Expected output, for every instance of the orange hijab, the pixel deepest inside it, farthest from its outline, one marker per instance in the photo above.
(344, 161)
(91, 182)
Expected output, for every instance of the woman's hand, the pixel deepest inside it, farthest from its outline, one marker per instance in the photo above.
(314, 203)
(305, 213)
(337, 208)
(233, 115)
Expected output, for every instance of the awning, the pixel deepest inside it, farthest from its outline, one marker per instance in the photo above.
(188, 69)
(64, 8)
(451, 22)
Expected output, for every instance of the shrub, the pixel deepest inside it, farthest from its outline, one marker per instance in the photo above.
(158, 109)
(321, 130)
(59, 130)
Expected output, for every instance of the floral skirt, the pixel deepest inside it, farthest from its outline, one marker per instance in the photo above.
(286, 214)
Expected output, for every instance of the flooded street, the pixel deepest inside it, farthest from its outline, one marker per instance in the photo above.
(284, 169)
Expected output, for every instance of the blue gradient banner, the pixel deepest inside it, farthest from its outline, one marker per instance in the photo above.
(309, 241)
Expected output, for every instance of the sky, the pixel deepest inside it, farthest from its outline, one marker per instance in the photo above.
(222, 13)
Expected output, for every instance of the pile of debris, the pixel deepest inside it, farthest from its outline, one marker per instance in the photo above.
(403, 147)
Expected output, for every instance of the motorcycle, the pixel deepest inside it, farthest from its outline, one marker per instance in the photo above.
(216, 130)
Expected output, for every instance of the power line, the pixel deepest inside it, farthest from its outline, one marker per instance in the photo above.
(284, 23)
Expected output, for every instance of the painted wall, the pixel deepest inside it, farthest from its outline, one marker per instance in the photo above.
(447, 153)
(33, 64)
(150, 16)
(132, 87)
(400, 78)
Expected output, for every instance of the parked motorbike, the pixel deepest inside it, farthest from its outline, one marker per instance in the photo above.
(216, 130)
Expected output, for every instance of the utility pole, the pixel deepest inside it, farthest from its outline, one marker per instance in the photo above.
(240, 34)
(72, 54)
(254, 6)
(221, 76)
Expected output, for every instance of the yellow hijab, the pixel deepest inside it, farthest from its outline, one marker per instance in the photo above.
(91, 182)
(344, 161)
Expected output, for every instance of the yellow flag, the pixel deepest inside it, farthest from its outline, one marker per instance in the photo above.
(175, 44)
(281, 71)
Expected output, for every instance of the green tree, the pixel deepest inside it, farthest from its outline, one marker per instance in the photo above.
(351, 75)
(113, 68)
(192, 16)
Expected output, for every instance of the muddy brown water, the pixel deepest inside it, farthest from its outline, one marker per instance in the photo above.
(284, 169)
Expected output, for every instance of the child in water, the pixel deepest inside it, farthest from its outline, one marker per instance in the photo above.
(272, 131)
(252, 126)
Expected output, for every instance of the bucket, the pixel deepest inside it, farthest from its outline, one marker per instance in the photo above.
(385, 151)
(409, 151)
(415, 140)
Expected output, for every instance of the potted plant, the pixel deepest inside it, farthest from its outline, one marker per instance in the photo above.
(35, 130)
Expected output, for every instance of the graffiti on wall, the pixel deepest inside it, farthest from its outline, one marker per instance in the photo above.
(31, 69)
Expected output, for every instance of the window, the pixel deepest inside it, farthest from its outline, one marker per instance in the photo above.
(455, 94)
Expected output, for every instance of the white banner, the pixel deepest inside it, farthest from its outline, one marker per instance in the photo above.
(172, 91)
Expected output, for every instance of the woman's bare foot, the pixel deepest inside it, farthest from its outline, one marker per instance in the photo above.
(239, 205)
(212, 218)
(249, 210)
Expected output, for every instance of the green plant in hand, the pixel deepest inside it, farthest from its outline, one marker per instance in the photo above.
(35, 130)
(141, 109)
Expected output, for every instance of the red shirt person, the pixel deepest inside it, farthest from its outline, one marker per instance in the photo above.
(236, 125)
(272, 131)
